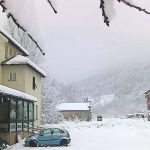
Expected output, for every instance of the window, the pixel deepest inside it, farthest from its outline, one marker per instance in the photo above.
(56, 131)
(30, 111)
(12, 109)
(47, 132)
(25, 126)
(25, 111)
(3, 109)
(31, 128)
(19, 110)
(12, 127)
(19, 126)
(34, 83)
(12, 76)
(36, 117)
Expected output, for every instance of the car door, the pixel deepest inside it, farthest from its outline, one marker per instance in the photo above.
(56, 136)
(45, 137)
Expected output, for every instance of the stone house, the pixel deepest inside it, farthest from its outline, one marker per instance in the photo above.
(20, 90)
(71, 111)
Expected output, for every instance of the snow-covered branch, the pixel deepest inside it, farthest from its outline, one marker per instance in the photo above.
(134, 6)
(26, 21)
(10, 15)
(104, 4)
(2, 5)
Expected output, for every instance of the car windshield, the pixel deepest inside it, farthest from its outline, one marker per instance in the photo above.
(41, 131)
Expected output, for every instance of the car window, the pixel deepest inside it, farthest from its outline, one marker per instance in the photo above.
(61, 131)
(56, 131)
(47, 132)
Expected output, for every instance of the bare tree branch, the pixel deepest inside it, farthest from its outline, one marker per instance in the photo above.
(9, 15)
(134, 6)
(52, 6)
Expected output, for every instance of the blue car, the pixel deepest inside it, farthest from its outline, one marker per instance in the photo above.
(48, 137)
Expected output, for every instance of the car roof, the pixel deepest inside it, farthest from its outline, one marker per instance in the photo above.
(51, 128)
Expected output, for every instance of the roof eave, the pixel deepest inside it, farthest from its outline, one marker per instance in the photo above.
(147, 92)
(42, 75)
(72, 110)
(1, 93)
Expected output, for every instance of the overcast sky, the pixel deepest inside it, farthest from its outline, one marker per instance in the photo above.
(79, 44)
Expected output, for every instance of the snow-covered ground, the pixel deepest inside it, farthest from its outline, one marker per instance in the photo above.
(110, 134)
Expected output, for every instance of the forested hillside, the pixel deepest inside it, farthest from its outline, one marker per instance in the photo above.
(114, 93)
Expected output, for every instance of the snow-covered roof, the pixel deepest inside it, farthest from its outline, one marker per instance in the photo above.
(73, 106)
(10, 38)
(13, 92)
(21, 60)
(147, 92)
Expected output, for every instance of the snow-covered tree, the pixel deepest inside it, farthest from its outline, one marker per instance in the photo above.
(51, 97)
(23, 38)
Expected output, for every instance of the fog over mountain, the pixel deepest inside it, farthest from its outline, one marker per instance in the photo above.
(114, 93)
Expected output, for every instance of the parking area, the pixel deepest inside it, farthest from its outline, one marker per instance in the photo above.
(110, 134)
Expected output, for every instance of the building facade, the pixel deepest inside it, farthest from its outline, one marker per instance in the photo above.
(22, 78)
(147, 95)
(72, 111)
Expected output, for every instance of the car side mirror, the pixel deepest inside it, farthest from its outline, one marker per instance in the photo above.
(52, 132)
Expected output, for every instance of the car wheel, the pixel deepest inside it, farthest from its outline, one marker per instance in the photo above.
(33, 143)
(63, 143)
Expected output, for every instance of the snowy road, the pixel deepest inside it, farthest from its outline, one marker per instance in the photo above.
(110, 134)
